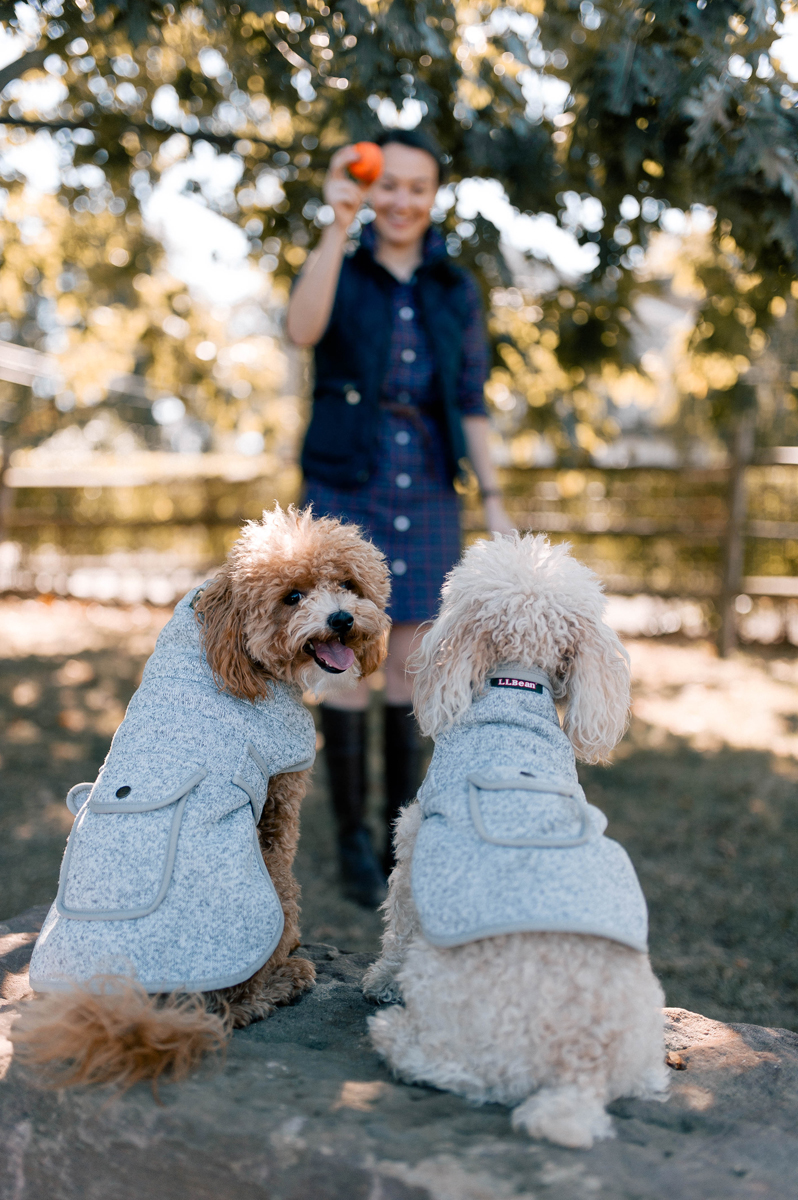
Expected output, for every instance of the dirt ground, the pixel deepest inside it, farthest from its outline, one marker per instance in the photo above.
(702, 793)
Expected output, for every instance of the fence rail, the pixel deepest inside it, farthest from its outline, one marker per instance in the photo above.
(545, 521)
(653, 531)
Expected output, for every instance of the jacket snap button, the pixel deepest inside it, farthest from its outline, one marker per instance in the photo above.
(122, 792)
(362, 476)
(352, 397)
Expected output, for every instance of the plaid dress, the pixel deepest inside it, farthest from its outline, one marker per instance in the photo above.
(409, 508)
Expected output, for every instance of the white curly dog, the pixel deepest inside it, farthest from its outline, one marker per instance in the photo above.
(515, 939)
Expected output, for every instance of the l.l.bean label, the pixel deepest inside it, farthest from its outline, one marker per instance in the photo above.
(509, 681)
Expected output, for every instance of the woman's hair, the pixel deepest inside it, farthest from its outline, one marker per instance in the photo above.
(416, 139)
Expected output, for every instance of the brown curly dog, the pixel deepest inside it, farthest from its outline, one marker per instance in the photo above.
(299, 601)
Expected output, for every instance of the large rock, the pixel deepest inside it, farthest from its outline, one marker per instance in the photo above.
(302, 1109)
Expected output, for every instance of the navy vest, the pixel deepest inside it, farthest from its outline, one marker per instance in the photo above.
(351, 361)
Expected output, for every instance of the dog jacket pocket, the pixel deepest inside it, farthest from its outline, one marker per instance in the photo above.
(121, 851)
(529, 811)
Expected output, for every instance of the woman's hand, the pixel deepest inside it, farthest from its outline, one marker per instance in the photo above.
(475, 429)
(340, 190)
(496, 518)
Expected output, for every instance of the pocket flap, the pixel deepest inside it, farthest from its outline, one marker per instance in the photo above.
(529, 811)
(121, 851)
(158, 781)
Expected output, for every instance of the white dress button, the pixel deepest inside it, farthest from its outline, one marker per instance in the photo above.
(352, 396)
(403, 397)
(401, 523)
(402, 438)
(408, 356)
(403, 480)
(406, 313)
(398, 566)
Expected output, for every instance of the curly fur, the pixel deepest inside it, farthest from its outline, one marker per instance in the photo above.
(555, 1024)
(251, 636)
(113, 1032)
(519, 599)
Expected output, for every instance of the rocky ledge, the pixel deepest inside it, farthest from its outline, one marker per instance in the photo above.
(302, 1109)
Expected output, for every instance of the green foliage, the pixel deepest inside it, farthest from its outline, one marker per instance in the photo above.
(669, 104)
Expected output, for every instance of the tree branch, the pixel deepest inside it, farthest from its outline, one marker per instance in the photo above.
(34, 58)
(219, 139)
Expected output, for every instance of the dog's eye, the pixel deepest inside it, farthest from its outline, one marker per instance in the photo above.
(292, 598)
(349, 585)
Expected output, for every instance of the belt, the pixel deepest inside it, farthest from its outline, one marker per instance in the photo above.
(410, 413)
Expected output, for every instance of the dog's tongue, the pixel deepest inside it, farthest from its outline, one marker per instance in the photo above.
(335, 654)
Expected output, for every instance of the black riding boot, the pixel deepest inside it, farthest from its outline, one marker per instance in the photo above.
(345, 751)
(403, 752)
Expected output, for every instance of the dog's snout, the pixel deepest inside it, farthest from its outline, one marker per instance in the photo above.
(341, 622)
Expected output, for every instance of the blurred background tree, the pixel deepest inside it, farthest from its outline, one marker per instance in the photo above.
(655, 144)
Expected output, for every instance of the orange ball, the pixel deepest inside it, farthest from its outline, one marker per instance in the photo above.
(368, 166)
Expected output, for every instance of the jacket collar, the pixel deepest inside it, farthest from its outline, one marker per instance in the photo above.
(517, 673)
(435, 258)
(517, 679)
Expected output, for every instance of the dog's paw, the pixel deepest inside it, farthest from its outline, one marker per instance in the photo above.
(244, 1013)
(272, 988)
(566, 1116)
(655, 1084)
(390, 994)
(380, 984)
(296, 974)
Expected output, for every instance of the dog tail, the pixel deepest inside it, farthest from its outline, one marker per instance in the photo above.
(114, 1032)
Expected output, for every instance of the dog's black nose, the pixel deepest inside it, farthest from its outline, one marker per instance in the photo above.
(341, 622)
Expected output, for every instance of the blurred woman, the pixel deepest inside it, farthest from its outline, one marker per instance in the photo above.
(400, 365)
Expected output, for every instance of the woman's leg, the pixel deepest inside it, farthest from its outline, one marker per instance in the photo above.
(343, 723)
(355, 700)
(403, 746)
(398, 684)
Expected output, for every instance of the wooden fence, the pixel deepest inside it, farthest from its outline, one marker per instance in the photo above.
(708, 534)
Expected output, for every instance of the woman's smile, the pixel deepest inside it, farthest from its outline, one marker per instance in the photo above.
(404, 194)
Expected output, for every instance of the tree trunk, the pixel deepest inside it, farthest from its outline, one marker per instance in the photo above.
(734, 543)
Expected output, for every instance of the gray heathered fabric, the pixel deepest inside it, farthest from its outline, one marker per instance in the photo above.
(466, 887)
(197, 762)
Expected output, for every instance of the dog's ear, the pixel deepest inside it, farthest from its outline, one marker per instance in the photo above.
(598, 691)
(374, 654)
(222, 636)
(450, 662)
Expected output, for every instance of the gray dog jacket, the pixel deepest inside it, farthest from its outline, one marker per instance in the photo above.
(162, 878)
(508, 843)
